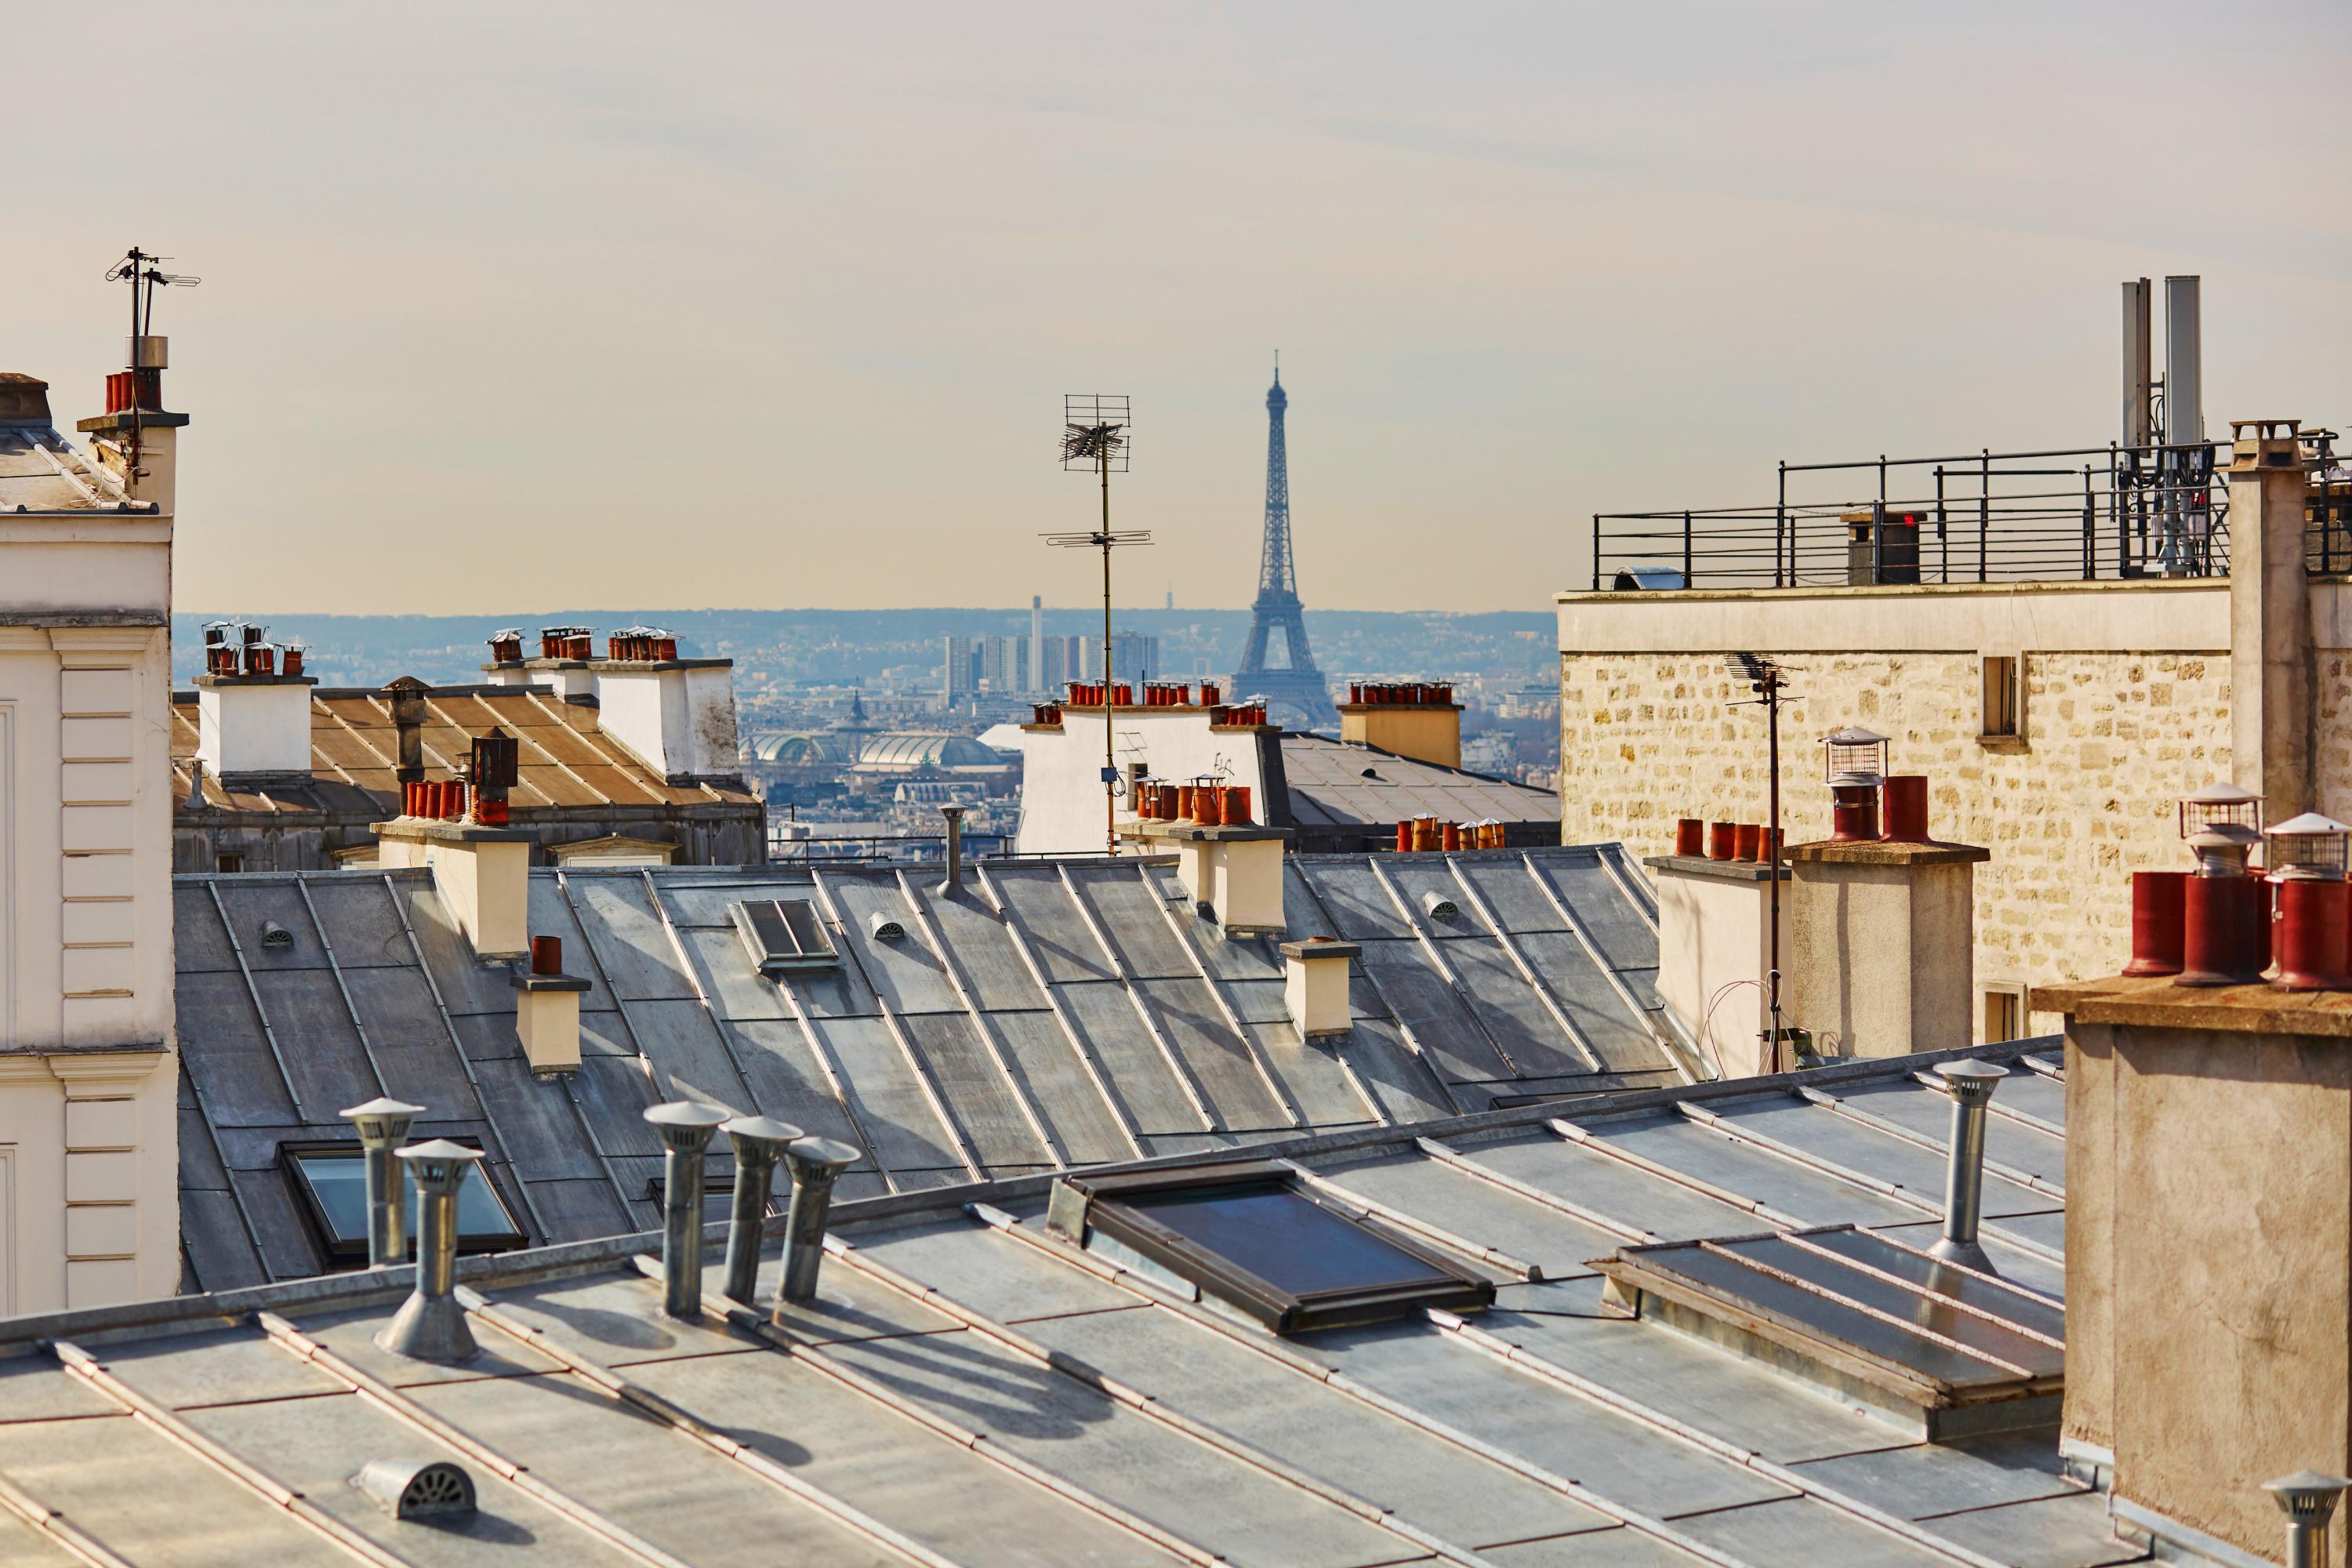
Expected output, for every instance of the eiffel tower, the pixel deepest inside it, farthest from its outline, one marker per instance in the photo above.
(1295, 685)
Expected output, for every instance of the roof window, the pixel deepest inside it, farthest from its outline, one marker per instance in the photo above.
(1242, 1232)
(784, 936)
(330, 1180)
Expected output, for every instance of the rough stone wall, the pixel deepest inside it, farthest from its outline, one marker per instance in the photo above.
(2111, 740)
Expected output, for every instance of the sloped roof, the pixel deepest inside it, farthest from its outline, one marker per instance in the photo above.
(1342, 783)
(42, 471)
(1059, 1014)
(970, 1389)
(353, 751)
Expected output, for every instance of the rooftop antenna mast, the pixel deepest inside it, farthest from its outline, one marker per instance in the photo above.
(1095, 440)
(140, 268)
(1768, 680)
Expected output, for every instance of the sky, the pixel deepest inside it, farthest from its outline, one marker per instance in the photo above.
(514, 306)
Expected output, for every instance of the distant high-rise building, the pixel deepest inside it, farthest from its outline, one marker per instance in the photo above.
(1037, 642)
(1036, 664)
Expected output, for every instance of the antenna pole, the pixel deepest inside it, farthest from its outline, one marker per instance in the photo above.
(1110, 759)
(1772, 863)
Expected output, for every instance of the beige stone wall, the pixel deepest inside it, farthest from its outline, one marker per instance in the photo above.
(2111, 739)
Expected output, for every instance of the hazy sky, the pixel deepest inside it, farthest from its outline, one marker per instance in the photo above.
(509, 307)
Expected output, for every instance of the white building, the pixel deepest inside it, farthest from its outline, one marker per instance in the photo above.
(89, 1170)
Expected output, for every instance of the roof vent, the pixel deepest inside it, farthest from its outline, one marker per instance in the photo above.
(276, 935)
(1438, 907)
(882, 928)
(417, 1489)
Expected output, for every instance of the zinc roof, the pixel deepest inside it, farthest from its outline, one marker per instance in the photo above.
(1058, 1013)
(969, 1388)
(41, 471)
(353, 753)
(1340, 783)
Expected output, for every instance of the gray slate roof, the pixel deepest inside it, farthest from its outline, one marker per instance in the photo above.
(1060, 1014)
(968, 1390)
(1338, 783)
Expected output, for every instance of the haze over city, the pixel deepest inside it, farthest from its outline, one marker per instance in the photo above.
(498, 300)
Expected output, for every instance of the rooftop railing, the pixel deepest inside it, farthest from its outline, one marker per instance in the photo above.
(2085, 513)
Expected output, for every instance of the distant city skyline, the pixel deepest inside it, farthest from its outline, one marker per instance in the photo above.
(513, 305)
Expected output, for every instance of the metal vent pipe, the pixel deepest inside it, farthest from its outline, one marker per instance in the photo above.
(383, 1124)
(684, 1127)
(1971, 1083)
(2308, 1499)
(951, 885)
(431, 1325)
(759, 1144)
(814, 1162)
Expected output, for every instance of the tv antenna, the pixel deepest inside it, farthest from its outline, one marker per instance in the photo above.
(1095, 440)
(137, 267)
(140, 270)
(1768, 679)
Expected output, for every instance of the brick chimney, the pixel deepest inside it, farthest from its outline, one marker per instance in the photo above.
(1411, 718)
(135, 439)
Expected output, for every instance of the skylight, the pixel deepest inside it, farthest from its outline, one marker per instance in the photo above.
(330, 1181)
(784, 935)
(1242, 1232)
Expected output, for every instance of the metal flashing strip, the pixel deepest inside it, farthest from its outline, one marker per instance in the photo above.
(1364, 1393)
(1583, 934)
(1419, 1229)
(1079, 1046)
(1582, 1136)
(1185, 1077)
(1454, 1159)
(53, 1525)
(1358, 968)
(1048, 1137)
(176, 1431)
(1274, 1083)
(1153, 1408)
(403, 1408)
(473, 1081)
(1836, 1106)
(1528, 972)
(1731, 1129)
(1432, 950)
(683, 1422)
(1842, 1502)
(924, 1079)
(253, 995)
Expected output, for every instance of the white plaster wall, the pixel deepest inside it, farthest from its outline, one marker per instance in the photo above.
(1061, 774)
(254, 729)
(1712, 934)
(714, 747)
(636, 711)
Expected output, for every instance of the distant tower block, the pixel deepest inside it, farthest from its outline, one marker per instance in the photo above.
(1295, 685)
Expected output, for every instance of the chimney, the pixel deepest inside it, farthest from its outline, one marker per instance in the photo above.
(2273, 676)
(547, 1008)
(676, 715)
(1715, 948)
(135, 440)
(2209, 1250)
(482, 875)
(1412, 718)
(1881, 921)
(1315, 987)
(405, 697)
(253, 719)
(24, 401)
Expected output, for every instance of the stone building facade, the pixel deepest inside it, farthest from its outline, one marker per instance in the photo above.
(2122, 697)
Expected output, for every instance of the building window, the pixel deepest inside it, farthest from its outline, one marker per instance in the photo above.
(228, 862)
(784, 935)
(329, 1181)
(2002, 691)
(1242, 1232)
(2004, 1014)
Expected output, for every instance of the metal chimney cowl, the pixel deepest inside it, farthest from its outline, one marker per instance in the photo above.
(431, 1325)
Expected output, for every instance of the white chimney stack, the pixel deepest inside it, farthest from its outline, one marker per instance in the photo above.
(253, 717)
(676, 715)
